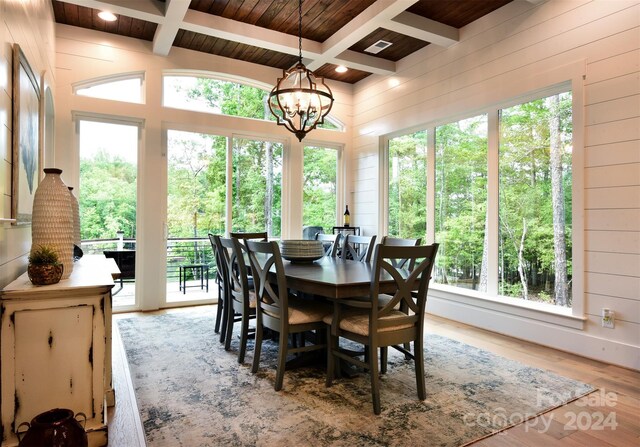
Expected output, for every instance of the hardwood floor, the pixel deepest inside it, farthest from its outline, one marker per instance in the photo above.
(607, 417)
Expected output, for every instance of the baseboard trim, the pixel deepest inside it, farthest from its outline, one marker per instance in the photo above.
(539, 332)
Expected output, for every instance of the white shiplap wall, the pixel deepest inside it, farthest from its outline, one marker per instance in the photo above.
(503, 55)
(30, 25)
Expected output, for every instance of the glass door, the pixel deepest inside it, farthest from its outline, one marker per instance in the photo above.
(196, 204)
(107, 196)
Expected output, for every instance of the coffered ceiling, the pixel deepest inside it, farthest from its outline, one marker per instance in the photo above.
(335, 32)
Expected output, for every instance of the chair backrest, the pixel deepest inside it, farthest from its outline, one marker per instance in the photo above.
(358, 248)
(331, 242)
(222, 262)
(260, 235)
(309, 232)
(271, 299)
(415, 278)
(400, 242)
(236, 269)
(216, 256)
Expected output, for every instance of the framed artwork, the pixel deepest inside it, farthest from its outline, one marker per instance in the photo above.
(26, 139)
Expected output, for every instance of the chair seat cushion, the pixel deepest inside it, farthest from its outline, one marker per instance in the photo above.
(307, 311)
(358, 322)
(252, 299)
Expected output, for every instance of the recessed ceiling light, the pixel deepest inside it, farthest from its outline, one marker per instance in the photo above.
(107, 16)
(341, 68)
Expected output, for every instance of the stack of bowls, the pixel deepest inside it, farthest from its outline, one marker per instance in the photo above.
(301, 250)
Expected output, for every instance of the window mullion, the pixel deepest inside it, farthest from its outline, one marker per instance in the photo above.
(493, 139)
(431, 185)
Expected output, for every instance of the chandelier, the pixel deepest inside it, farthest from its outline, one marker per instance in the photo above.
(300, 101)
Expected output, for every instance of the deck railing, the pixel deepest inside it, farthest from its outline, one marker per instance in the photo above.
(179, 251)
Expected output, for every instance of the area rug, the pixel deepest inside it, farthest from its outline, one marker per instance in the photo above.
(191, 392)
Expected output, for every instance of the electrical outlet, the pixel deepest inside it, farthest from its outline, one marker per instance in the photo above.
(608, 318)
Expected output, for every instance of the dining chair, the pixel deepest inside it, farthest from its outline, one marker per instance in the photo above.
(331, 242)
(281, 311)
(375, 327)
(400, 242)
(220, 268)
(222, 263)
(244, 236)
(358, 248)
(241, 298)
(384, 299)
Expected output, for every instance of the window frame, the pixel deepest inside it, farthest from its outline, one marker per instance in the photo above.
(101, 80)
(572, 317)
(224, 77)
(340, 174)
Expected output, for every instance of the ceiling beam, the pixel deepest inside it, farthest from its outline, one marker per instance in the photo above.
(424, 29)
(223, 28)
(166, 31)
(360, 27)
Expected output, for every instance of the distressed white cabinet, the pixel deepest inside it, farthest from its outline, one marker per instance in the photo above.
(55, 344)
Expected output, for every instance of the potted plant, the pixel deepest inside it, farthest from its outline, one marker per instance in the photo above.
(44, 267)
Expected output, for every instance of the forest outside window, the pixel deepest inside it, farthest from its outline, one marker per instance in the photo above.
(533, 222)
(320, 187)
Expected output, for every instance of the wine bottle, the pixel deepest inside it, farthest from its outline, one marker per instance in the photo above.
(347, 217)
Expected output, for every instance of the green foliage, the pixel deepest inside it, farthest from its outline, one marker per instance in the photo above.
(43, 255)
(407, 186)
(319, 187)
(526, 202)
(108, 196)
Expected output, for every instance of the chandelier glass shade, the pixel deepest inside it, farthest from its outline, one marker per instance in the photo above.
(300, 100)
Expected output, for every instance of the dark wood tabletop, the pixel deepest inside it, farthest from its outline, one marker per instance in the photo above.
(334, 278)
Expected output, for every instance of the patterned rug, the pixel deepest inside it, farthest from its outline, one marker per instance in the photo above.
(192, 393)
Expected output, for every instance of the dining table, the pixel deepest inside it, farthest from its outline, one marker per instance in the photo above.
(334, 278)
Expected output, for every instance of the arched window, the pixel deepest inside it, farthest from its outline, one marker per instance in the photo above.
(222, 95)
(125, 87)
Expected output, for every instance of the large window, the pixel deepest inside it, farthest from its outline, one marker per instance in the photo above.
(319, 187)
(257, 186)
(196, 184)
(529, 232)
(535, 200)
(408, 186)
(461, 203)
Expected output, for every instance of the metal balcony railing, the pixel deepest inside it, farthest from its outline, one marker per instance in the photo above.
(179, 251)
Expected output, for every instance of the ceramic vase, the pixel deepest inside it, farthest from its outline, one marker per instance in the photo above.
(54, 428)
(52, 222)
(76, 218)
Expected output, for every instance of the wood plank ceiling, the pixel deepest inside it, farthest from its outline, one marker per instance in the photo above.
(335, 32)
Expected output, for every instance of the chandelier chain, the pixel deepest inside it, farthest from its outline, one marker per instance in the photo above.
(300, 29)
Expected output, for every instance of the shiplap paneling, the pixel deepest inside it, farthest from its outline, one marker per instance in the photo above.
(612, 153)
(613, 263)
(613, 241)
(613, 285)
(626, 309)
(615, 197)
(614, 110)
(618, 219)
(616, 175)
(613, 88)
(612, 67)
(623, 130)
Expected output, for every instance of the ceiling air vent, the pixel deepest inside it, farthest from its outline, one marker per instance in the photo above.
(378, 47)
